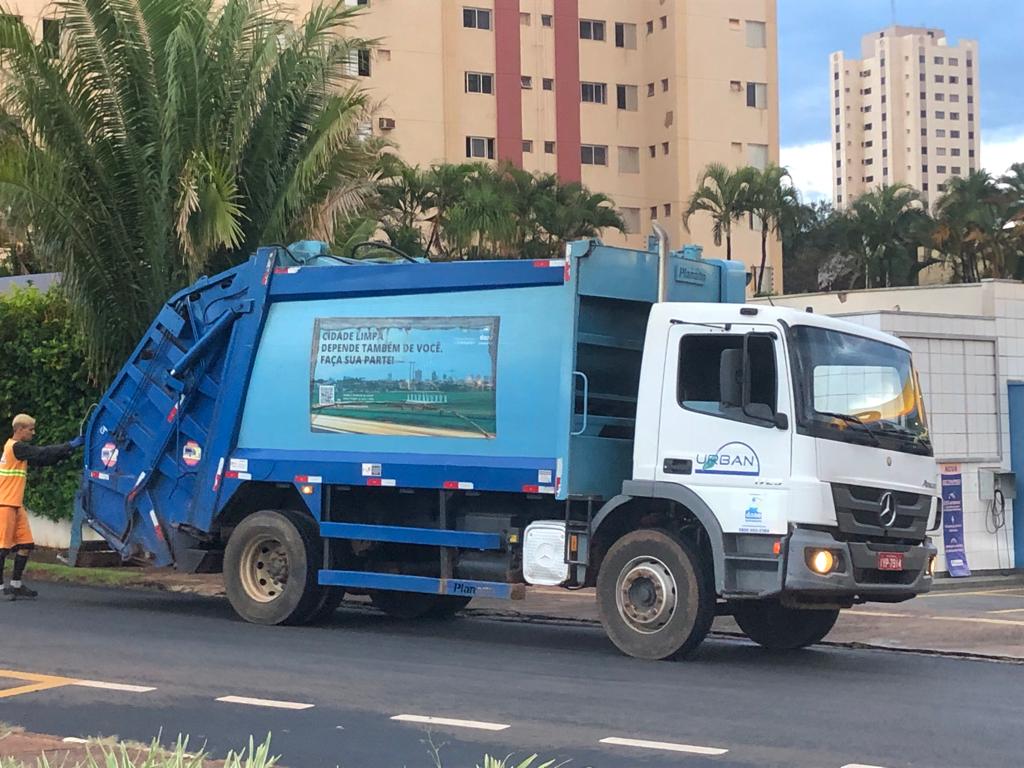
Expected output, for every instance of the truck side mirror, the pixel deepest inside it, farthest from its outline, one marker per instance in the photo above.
(730, 378)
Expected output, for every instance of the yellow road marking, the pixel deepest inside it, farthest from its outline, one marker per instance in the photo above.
(34, 682)
(1008, 622)
(1018, 592)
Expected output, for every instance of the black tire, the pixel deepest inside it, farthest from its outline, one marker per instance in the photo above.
(447, 606)
(296, 551)
(649, 560)
(772, 625)
(330, 601)
(405, 605)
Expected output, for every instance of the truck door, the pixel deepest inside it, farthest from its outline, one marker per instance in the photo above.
(725, 422)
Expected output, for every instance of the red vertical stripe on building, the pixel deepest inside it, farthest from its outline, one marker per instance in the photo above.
(567, 89)
(508, 86)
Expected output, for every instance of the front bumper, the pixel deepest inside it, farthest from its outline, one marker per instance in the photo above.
(858, 578)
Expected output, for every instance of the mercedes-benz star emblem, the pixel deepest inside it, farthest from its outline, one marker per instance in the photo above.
(887, 509)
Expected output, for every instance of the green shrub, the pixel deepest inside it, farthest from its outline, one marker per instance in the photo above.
(43, 373)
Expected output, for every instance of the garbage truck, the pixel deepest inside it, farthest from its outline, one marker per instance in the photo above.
(428, 433)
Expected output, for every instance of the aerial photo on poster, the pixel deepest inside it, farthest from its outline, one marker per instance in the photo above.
(408, 376)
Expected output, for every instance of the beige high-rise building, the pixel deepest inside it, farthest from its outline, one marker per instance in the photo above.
(632, 97)
(906, 112)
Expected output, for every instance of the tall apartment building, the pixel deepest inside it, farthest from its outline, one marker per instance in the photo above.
(632, 97)
(905, 112)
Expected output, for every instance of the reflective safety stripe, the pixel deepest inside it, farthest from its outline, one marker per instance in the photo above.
(14, 472)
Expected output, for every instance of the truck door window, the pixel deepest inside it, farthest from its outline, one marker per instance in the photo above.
(700, 361)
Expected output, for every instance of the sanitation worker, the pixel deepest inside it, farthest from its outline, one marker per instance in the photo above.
(15, 535)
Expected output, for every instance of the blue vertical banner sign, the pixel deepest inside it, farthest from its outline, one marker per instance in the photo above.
(953, 520)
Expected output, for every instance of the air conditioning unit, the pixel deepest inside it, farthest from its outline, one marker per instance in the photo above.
(386, 123)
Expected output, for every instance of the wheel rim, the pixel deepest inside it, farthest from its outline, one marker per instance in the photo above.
(264, 569)
(646, 595)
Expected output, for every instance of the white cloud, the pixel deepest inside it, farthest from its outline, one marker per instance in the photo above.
(810, 165)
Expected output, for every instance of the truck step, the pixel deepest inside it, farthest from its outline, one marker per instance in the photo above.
(431, 537)
(402, 583)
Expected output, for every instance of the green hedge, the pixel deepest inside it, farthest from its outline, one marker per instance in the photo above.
(43, 373)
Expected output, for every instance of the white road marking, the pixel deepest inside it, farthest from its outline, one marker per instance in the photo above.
(1006, 622)
(264, 702)
(113, 686)
(860, 765)
(424, 720)
(1009, 610)
(1005, 592)
(664, 745)
(887, 614)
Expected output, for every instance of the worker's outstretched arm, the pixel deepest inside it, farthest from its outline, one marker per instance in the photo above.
(44, 455)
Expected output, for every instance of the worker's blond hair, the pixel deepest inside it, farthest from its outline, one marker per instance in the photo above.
(23, 420)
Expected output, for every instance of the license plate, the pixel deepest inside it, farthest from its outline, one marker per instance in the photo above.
(890, 561)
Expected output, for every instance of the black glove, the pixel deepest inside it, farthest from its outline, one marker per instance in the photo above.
(76, 442)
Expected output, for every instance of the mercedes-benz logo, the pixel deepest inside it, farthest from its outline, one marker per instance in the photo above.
(887, 509)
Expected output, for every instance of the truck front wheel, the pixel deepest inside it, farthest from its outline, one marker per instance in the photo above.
(655, 595)
(270, 568)
(772, 625)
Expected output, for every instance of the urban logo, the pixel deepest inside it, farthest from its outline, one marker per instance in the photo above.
(730, 459)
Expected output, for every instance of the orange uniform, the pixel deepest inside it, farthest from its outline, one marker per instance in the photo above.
(14, 527)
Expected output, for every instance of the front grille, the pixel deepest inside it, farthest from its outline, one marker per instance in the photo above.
(858, 507)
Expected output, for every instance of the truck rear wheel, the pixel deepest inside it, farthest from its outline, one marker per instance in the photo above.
(415, 605)
(270, 568)
(772, 625)
(655, 595)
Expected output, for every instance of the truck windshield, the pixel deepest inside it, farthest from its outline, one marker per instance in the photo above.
(858, 390)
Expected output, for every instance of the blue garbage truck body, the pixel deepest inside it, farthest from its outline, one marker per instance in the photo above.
(427, 433)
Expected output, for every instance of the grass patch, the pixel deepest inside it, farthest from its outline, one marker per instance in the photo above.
(107, 577)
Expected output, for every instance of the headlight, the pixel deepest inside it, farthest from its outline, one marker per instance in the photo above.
(821, 561)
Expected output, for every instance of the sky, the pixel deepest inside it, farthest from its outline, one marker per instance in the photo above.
(810, 30)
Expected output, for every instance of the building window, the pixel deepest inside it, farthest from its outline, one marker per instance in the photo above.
(664, 22)
(940, 115)
(940, 133)
(652, 150)
(839, 181)
(629, 159)
(924, 150)
(625, 36)
(650, 89)
(549, 147)
(527, 146)
(590, 29)
(940, 169)
(924, 169)
(548, 83)
(626, 97)
(593, 154)
(953, 62)
(970, 117)
(953, 79)
(955, 98)
(938, 60)
(479, 82)
(757, 155)
(955, 152)
(631, 218)
(924, 114)
(940, 97)
(667, 208)
(869, 179)
(594, 93)
(941, 151)
(363, 62)
(526, 81)
(954, 134)
(650, 27)
(546, 20)
(664, 85)
(757, 34)
(954, 115)
(940, 79)
(51, 35)
(868, 126)
(480, 147)
(869, 161)
(476, 18)
(757, 95)
(664, 148)
(654, 212)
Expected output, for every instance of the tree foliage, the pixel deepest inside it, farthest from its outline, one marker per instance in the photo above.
(45, 375)
(166, 138)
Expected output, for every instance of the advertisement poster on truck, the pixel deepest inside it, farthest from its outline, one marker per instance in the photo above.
(405, 376)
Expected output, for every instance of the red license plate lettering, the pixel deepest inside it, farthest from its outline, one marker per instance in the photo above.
(890, 561)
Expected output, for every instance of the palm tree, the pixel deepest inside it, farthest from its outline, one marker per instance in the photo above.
(169, 138)
(970, 218)
(572, 212)
(886, 227)
(723, 193)
(775, 203)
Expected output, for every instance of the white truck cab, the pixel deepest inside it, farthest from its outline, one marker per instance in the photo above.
(800, 446)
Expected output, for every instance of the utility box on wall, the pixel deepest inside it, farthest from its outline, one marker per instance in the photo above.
(992, 479)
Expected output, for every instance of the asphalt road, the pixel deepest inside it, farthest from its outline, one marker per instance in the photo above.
(559, 689)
